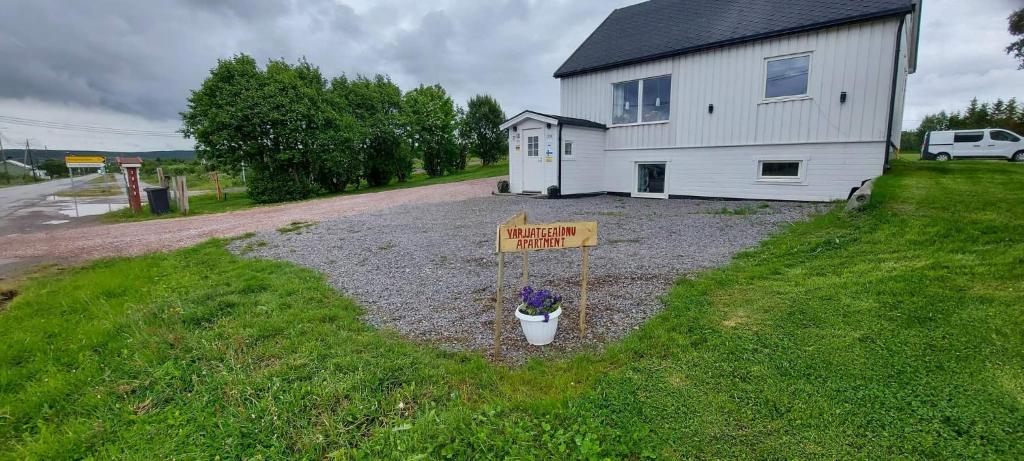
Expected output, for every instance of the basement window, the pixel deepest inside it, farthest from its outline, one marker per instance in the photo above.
(780, 170)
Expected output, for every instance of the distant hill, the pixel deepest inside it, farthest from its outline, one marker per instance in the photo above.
(40, 155)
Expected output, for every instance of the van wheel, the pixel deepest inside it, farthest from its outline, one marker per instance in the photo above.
(1019, 156)
(943, 157)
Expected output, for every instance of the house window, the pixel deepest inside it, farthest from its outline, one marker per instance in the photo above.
(641, 101)
(532, 146)
(625, 97)
(974, 136)
(657, 94)
(787, 77)
(780, 170)
(567, 152)
(650, 180)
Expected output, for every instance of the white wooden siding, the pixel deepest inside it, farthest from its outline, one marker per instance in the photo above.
(832, 170)
(515, 157)
(855, 58)
(585, 173)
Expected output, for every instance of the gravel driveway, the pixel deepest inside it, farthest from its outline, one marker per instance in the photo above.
(429, 271)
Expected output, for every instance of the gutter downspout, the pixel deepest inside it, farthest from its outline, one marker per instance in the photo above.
(892, 93)
(560, 125)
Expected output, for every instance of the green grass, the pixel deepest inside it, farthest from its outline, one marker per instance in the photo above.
(295, 226)
(197, 205)
(895, 332)
(207, 204)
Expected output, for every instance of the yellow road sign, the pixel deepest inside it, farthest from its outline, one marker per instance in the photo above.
(76, 159)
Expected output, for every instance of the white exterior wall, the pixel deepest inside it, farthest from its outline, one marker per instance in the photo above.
(515, 156)
(831, 170)
(584, 171)
(855, 58)
(901, 87)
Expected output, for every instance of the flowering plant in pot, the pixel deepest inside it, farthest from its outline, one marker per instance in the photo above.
(538, 315)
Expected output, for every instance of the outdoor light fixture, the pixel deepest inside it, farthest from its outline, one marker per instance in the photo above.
(549, 126)
(711, 108)
(842, 98)
(515, 128)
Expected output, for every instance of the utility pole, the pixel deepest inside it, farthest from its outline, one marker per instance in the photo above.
(28, 162)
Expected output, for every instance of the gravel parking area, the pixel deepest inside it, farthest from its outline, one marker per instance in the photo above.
(429, 270)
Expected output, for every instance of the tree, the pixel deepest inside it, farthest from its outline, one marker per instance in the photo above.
(54, 168)
(375, 104)
(429, 122)
(272, 119)
(1016, 48)
(479, 129)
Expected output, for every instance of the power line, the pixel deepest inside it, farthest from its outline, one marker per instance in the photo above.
(84, 128)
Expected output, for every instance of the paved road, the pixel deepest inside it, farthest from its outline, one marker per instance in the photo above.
(34, 207)
(100, 241)
(17, 197)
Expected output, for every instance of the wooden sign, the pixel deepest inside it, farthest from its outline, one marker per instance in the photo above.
(516, 236)
(554, 236)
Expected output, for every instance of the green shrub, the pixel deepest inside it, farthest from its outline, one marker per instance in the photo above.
(267, 187)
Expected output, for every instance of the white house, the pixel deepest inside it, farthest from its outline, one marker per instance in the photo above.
(749, 99)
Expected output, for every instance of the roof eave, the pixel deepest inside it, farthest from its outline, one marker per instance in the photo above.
(794, 30)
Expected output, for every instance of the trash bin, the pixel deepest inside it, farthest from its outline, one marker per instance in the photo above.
(159, 202)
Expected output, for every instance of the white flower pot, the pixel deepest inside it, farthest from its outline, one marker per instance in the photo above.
(537, 331)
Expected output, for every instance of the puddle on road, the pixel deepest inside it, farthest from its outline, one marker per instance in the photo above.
(91, 209)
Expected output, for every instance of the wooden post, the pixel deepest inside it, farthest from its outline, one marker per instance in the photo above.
(181, 190)
(526, 270)
(498, 301)
(160, 177)
(583, 290)
(216, 183)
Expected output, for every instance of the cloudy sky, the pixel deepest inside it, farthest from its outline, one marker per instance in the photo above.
(127, 66)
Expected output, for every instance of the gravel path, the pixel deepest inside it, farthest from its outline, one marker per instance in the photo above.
(429, 270)
(100, 241)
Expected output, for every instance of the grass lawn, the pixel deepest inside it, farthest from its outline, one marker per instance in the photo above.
(207, 204)
(896, 332)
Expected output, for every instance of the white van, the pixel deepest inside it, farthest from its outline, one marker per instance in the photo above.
(987, 143)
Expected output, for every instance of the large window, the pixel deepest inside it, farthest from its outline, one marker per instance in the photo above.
(641, 101)
(657, 94)
(787, 77)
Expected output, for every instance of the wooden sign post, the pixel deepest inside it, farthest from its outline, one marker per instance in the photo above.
(216, 183)
(517, 236)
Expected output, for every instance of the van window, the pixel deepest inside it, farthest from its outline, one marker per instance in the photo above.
(973, 136)
(1000, 135)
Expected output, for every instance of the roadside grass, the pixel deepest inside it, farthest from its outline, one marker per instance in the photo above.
(208, 204)
(197, 205)
(895, 332)
(295, 226)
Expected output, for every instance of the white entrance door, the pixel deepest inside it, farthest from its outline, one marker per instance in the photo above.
(533, 163)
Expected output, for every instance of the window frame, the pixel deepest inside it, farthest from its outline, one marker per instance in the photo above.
(799, 179)
(640, 101)
(795, 97)
(529, 146)
(568, 149)
(636, 179)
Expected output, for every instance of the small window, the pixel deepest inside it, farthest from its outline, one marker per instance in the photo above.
(787, 77)
(1000, 135)
(533, 146)
(567, 152)
(772, 169)
(657, 94)
(650, 180)
(973, 136)
(624, 100)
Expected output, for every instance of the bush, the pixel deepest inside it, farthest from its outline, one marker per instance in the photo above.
(504, 187)
(267, 187)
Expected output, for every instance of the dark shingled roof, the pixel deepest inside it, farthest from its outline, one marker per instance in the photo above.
(660, 28)
(565, 120)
